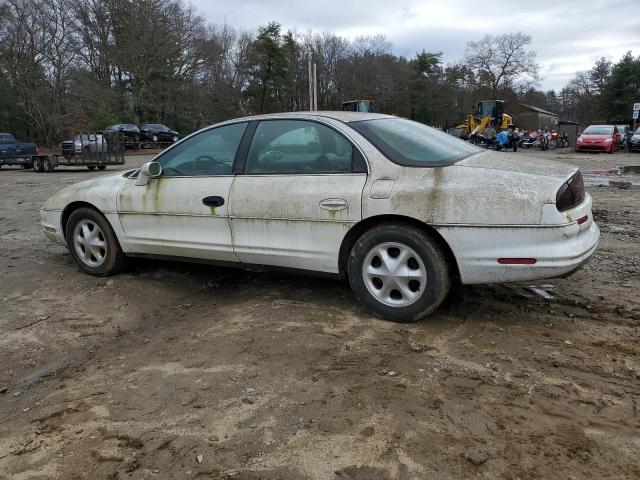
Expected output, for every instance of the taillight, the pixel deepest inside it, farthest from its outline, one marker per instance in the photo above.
(37, 151)
(571, 193)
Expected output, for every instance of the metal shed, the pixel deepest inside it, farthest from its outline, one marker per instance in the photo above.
(572, 129)
(529, 117)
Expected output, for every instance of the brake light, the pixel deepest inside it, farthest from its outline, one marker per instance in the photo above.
(571, 193)
(37, 151)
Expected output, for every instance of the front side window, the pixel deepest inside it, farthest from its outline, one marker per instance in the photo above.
(211, 152)
(298, 147)
(414, 144)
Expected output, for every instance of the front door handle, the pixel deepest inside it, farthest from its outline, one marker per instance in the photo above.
(213, 201)
(334, 204)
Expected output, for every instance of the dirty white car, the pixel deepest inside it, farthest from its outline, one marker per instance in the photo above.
(400, 209)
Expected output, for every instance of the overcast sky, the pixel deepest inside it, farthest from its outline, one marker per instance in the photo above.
(568, 35)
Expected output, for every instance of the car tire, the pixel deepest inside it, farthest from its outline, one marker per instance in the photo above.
(103, 256)
(91, 167)
(154, 138)
(422, 277)
(175, 138)
(102, 167)
(37, 165)
(47, 166)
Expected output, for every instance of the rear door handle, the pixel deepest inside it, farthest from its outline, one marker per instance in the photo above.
(213, 201)
(333, 204)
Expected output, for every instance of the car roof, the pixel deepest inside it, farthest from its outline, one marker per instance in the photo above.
(339, 115)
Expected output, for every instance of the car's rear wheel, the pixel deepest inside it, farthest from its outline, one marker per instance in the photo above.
(102, 167)
(398, 272)
(91, 167)
(93, 244)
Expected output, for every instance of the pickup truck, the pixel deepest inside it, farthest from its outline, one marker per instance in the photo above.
(14, 153)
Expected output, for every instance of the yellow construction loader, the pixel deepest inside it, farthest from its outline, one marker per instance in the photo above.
(358, 106)
(485, 122)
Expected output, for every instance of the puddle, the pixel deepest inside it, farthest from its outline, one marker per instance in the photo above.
(611, 180)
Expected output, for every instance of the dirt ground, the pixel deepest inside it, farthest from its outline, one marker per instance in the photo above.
(179, 371)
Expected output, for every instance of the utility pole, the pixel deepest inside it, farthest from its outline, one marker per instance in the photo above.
(315, 89)
(313, 86)
(310, 85)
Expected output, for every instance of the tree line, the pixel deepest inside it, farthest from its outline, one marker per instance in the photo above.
(73, 65)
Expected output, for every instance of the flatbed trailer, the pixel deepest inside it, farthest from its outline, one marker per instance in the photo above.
(100, 151)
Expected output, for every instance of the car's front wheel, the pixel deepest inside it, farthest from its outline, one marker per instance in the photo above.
(398, 272)
(93, 244)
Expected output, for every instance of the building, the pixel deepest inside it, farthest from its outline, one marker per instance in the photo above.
(528, 117)
(572, 129)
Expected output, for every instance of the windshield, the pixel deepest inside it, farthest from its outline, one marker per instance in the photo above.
(598, 130)
(414, 144)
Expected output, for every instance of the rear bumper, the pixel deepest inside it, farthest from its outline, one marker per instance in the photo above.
(558, 251)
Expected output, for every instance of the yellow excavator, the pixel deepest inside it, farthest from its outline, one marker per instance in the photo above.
(485, 122)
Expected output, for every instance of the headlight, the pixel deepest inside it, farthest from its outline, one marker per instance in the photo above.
(579, 140)
(608, 140)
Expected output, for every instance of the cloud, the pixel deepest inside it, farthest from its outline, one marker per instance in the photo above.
(568, 36)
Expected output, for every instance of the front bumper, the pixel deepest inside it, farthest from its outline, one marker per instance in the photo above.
(593, 147)
(51, 222)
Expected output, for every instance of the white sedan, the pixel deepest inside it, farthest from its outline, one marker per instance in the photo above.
(401, 209)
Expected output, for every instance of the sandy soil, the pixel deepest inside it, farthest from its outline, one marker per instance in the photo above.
(182, 371)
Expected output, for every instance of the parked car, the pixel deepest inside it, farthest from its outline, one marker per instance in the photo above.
(598, 138)
(400, 209)
(130, 132)
(15, 153)
(156, 132)
(634, 142)
(85, 145)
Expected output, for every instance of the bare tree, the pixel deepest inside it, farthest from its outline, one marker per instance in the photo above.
(502, 61)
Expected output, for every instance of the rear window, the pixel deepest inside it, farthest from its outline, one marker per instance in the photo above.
(414, 144)
(598, 130)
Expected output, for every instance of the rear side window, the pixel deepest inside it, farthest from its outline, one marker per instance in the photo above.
(6, 138)
(298, 147)
(414, 144)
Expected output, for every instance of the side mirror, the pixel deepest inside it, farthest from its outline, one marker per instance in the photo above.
(147, 171)
(151, 169)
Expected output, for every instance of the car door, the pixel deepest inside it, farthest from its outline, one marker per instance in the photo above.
(298, 194)
(7, 147)
(185, 212)
(3, 148)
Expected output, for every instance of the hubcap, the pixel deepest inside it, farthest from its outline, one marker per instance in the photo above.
(90, 243)
(394, 274)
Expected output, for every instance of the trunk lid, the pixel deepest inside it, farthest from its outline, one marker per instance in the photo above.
(519, 163)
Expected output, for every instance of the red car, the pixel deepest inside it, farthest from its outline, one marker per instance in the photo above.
(598, 138)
